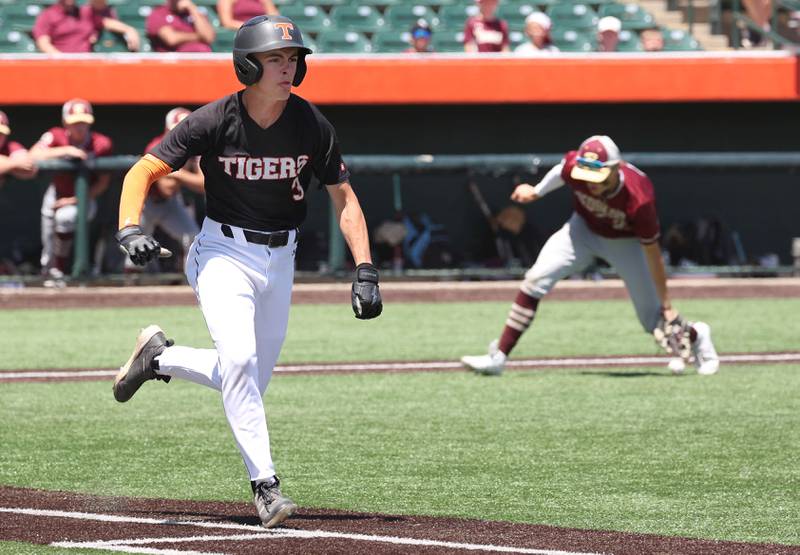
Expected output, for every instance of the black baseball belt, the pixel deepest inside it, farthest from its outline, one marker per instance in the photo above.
(273, 240)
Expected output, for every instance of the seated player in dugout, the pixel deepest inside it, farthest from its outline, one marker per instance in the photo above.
(259, 150)
(15, 159)
(615, 219)
(165, 207)
(76, 141)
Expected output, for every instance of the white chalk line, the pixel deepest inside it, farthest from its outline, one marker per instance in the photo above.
(437, 365)
(256, 532)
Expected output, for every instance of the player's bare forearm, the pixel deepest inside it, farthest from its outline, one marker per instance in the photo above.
(655, 262)
(205, 31)
(524, 193)
(351, 221)
(48, 153)
(192, 180)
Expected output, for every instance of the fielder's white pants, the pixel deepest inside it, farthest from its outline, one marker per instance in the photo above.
(53, 222)
(244, 290)
(572, 249)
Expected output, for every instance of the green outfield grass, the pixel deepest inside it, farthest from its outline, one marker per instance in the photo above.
(103, 338)
(634, 449)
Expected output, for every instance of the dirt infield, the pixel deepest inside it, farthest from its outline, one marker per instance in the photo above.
(166, 526)
(395, 292)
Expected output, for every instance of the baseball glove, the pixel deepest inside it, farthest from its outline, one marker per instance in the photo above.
(365, 295)
(673, 337)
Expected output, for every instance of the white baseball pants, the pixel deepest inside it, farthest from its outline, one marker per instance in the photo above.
(244, 291)
(572, 249)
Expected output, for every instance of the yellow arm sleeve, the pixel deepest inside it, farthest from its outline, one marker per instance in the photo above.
(135, 186)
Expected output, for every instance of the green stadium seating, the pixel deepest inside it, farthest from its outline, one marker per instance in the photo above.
(446, 40)
(516, 38)
(438, 4)
(20, 16)
(515, 13)
(390, 40)
(365, 19)
(570, 40)
(629, 42)
(224, 40)
(111, 42)
(453, 17)
(311, 19)
(403, 17)
(380, 4)
(345, 42)
(13, 41)
(573, 16)
(632, 16)
(677, 40)
(133, 13)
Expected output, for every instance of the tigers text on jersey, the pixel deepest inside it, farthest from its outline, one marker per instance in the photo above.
(628, 212)
(256, 178)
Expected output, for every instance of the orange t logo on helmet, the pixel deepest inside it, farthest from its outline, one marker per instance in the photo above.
(285, 27)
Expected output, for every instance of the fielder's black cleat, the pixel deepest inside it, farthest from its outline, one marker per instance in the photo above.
(140, 368)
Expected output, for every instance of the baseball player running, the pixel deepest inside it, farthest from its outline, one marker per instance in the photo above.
(164, 206)
(259, 149)
(615, 219)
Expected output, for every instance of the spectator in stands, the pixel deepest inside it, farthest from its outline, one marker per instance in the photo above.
(179, 26)
(63, 27)
(537, 29)
(760, 11)
(652, 40)
(75, 140)
(486, 32)
(420, 38)
(232, 13)
(14, 158)
(104, 18)
(608, 29)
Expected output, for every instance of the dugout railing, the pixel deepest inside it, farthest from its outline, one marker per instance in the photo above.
(397, 166)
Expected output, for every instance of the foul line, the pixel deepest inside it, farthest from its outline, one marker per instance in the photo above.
(256, 532)
(437, 365)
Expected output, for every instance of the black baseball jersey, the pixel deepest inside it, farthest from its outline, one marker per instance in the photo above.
(256, 178)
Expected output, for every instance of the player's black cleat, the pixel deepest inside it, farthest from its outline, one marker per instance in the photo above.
(272, 506)
(139, 368)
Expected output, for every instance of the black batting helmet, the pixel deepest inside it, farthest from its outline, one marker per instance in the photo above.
(262, 34)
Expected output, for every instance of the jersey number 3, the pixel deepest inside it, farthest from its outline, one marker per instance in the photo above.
(297, 190)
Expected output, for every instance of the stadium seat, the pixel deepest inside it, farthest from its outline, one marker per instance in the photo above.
(629, 41)
(356, 18)
(311, 19)
(515, 13)
(133, 13)
(390, 40)
(570, 40)
(677, 40)
(13, 41)
(403, 17)
(515, 38)
(344, 42)
(111, 42)
(445, 40)
(632, 16)
(20, 16)
(224, 40)
(573, 16)
(453, 17)
(380, 4)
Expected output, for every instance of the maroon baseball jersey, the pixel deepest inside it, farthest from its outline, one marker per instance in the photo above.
(630, 211)
(162, 16)
(490, 36)
(97, 145)
(246, 9)
(10, 147)
(97, 16)
(70, 30)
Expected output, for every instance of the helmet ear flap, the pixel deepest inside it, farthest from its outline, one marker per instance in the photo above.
(248, 68)
(300, 72)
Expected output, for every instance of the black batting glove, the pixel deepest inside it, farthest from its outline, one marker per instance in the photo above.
(140, 247)
(365, 294)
